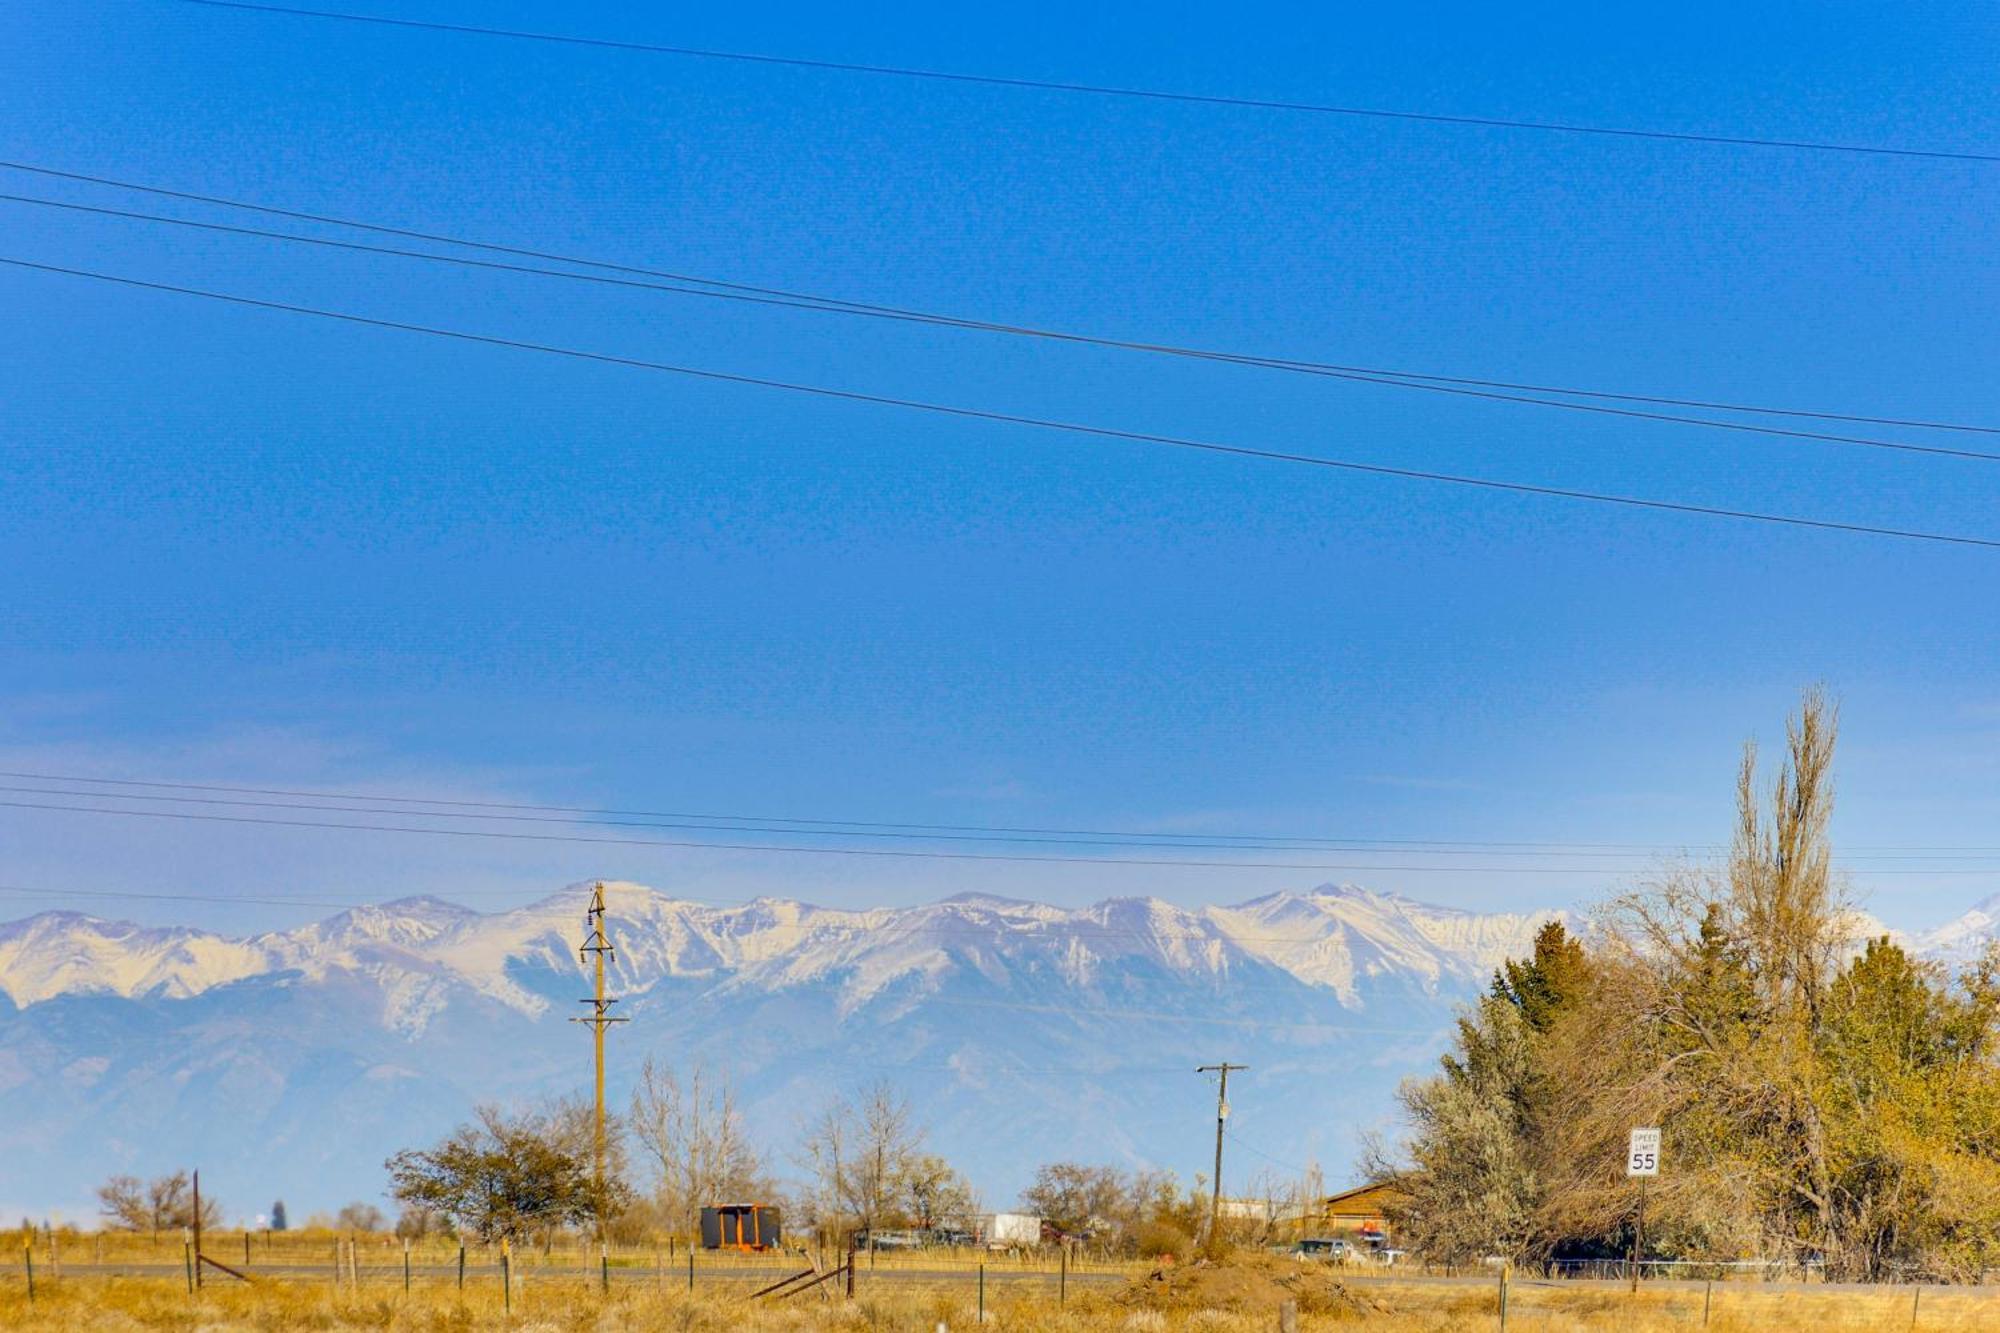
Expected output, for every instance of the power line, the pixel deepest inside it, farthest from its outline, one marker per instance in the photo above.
(825, 305)
(1255, 1151)
(1041, 423)
(895, 852)
(839, 305)
(1324, 841)
(745, 825)
(1108, 90)
(776, 830)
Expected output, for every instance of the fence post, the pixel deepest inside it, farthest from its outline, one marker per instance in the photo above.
(1915, 1296)
(507, 1273)
(1707, 1295)
(1062, 1276)
(1506, 1270)
(461, 1265)
(187, 1257)
(982, 1291)
(28, 1258)
(604, 1262)
(406, 1265)
(690, 1268)
(850, 1265)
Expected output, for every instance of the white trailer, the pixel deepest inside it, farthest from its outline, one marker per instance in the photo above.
(1012, 1231)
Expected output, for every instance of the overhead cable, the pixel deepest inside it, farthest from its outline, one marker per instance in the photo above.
(802, 300)
(1109, 90)
(1044, 423)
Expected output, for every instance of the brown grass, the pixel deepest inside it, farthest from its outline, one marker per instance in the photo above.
(568, 1305)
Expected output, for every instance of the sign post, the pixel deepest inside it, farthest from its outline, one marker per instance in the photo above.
(1642, 1159)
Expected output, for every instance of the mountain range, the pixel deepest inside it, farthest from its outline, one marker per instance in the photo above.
(290, 1064)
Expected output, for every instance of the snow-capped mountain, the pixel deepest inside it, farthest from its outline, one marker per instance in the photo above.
(292, 1063)
(1964, 938)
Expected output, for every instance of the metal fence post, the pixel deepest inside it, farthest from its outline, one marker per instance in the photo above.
(461, 1265)
(982, 1291)
(604, 1263)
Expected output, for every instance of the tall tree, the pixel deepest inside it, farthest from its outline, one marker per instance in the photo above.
(857, 1150)
(692, 1137)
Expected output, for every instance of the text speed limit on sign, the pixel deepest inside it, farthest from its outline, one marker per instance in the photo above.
(1642, 1154)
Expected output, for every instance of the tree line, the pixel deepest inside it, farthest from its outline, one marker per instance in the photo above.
(1826, 1101)
(863, 1164)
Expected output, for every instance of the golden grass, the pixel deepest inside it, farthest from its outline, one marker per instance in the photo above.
(568, 1305)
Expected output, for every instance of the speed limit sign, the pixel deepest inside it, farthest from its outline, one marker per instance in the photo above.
(1642, 1154)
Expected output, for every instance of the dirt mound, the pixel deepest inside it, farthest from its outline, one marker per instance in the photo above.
(1248, 1283)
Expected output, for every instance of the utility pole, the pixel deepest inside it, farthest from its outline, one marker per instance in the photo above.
(1221, 1118)
(596, 942)
(197, 1228)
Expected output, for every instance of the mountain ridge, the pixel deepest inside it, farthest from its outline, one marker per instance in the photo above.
(1314, 935)
(292, 1062)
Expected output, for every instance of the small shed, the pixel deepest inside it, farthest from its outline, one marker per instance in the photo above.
(741, 1226)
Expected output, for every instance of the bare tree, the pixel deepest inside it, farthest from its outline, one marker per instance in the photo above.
(859, 1150)
(693, 1140)
(122, 1201)
(165, 1203)
(360, 1216)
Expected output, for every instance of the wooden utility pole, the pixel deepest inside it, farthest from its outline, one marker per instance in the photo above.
(1221, 1118)
(596, 942)
(197, 1228)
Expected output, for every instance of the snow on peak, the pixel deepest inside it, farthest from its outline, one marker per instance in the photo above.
(67, 953)
(420, 950)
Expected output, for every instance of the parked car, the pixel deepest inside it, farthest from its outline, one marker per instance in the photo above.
(1332, 1250)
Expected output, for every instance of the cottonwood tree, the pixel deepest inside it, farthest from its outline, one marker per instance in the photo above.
(505, 1176)
(692, 1137)
(166, 1203)
(857, 1151)
(1146, 1212)
(1076, 1198)
(358, 1216)
(930, 1191)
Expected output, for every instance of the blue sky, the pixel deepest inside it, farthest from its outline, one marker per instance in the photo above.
(241, 546)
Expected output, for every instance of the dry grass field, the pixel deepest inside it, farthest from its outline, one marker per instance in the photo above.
(1233, 1298)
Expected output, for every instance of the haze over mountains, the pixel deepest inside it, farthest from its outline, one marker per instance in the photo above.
(290, 1064)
